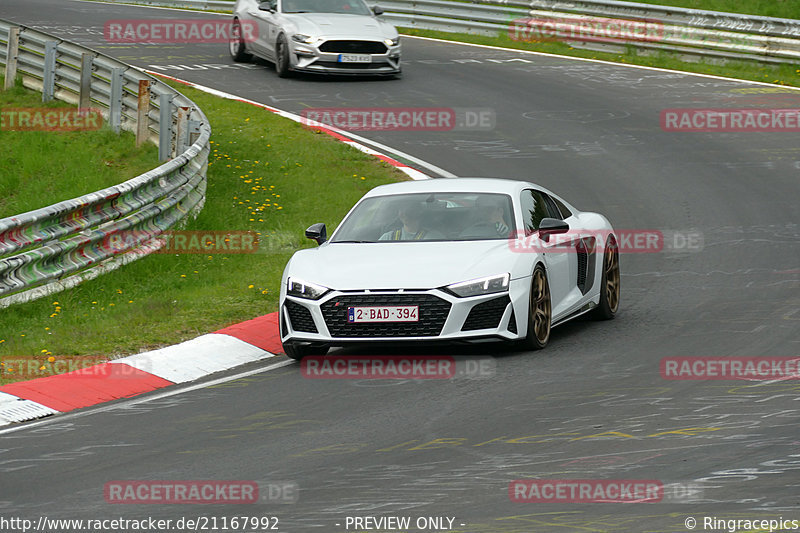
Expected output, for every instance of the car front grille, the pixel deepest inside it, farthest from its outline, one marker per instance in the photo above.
(300, 317)
(351, 66)
(353, 47)
(486, 314)
(433, 313)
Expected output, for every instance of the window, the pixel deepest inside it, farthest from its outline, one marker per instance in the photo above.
(534, 209)
(556, 208)
(565, 212)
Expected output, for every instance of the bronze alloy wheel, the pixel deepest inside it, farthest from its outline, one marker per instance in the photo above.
(611, 271)
(609, 283)
(539, 311)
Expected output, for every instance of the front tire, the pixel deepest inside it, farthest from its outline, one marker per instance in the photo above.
(609, 283)
(539, 311)
(282, 57)
(297, 351)
(236, 44)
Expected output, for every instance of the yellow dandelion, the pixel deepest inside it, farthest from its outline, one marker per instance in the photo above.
(51, 359)
(183, 275)
(250, 286)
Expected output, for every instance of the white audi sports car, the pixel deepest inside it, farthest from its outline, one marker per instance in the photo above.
(323, 36)
(455, 260)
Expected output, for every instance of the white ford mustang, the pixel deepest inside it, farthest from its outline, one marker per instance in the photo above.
(324, 36)
(462, 259)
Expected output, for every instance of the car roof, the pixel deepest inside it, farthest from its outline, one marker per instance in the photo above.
(495, 185)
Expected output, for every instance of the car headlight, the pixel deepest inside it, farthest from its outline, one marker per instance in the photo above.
(304, 289)
(303, 38)
(480, 286)
(392, 42)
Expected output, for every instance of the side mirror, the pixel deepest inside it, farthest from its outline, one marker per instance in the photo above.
(378, 10)
(317, 232)
(267, 6)
(551, 226)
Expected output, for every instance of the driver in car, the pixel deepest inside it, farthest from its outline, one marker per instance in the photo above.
(490, 219)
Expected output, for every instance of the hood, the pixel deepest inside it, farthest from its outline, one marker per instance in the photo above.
(336, 25)
(411, 265)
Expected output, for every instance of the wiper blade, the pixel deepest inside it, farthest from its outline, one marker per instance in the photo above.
(357, 242)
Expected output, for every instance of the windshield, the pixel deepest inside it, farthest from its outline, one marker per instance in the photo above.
(350, 7)
(429, 217)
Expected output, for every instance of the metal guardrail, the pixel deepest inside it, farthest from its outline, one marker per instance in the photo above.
(59, 246)
(684, 31)
(691, 31)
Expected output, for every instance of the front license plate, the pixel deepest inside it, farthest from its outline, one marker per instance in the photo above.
(355, 58)
(388, 313)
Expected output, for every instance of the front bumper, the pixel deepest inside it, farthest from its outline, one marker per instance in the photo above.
(309, 58)
(442, 317)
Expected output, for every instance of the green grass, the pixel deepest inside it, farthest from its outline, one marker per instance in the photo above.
(747, 70)
(266, 174)
(789, 9)
(37, 168)
(768, 8)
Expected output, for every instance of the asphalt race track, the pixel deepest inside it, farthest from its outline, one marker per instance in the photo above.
(593, 405)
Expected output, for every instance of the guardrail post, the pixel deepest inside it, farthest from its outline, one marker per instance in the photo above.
(115, 105)
(85, 97)
(49, 76)
(12, 51)
(142, 113)
(183, 131)
(164, 126)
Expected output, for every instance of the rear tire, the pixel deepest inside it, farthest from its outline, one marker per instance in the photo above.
(282, 57)
(236, 44)
(539, 311)
(609, 283)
